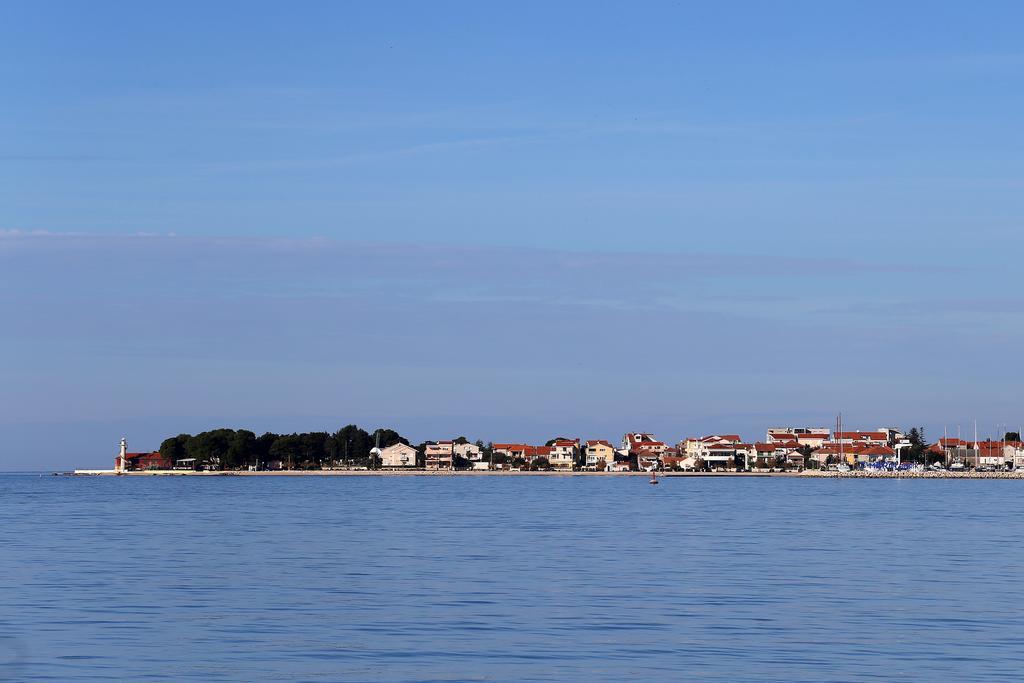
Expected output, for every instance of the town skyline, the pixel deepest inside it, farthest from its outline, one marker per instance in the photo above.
(790, 447)
(783, 449)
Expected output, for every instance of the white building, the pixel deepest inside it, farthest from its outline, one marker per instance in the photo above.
(563, 453)
(469, 451)
(398, 455)
(634, 442)
(805, 436)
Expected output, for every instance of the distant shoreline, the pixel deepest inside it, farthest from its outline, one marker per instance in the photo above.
(809, 474)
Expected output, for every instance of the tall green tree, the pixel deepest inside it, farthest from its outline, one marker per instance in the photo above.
(235, 449)
(314, 448)
(918, 449)
(210, 448)
(351, 443)
(175, 448)
(388, 437)
(264, 442)
(288, 449)
(241, 450)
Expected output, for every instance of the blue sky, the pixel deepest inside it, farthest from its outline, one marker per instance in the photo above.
(506, 220)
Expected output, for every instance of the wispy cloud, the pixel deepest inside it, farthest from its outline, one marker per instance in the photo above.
(365, 157)
(748, 287)
(481, 258)
(56, 158)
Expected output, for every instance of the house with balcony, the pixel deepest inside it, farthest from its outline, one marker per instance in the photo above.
(438, 455)
(564, 453)
(874, 454)
(509, 451)
(469, 451)
(597, 454)
(398, 456)
(689, 447)
(648, 461)
(728, 455)
(775, 454)
(530, 454)
(672, 460)
(1015, 453)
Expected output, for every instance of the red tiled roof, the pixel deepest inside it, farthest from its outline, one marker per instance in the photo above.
(862, 436)
(814, 431)
(780, 445)
(637, 437)
(722, 437)
(852, 449)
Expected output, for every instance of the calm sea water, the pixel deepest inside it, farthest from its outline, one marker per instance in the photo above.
(510, 579)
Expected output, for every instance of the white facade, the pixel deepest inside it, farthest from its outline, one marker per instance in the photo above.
(635, 442)
(563, 453)
(1016, 454)
(469, 451)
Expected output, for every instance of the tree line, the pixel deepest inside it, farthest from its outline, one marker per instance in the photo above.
(240, 448)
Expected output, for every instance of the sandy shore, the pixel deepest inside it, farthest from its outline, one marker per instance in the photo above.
(813, 474)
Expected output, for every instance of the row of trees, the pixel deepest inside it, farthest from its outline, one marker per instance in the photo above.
(239, 448)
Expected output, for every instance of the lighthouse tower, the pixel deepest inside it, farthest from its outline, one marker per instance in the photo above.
(121, 463)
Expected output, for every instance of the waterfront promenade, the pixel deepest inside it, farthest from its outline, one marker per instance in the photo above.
(807, 474)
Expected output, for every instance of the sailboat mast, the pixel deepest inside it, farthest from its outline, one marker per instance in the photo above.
(977, 448)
